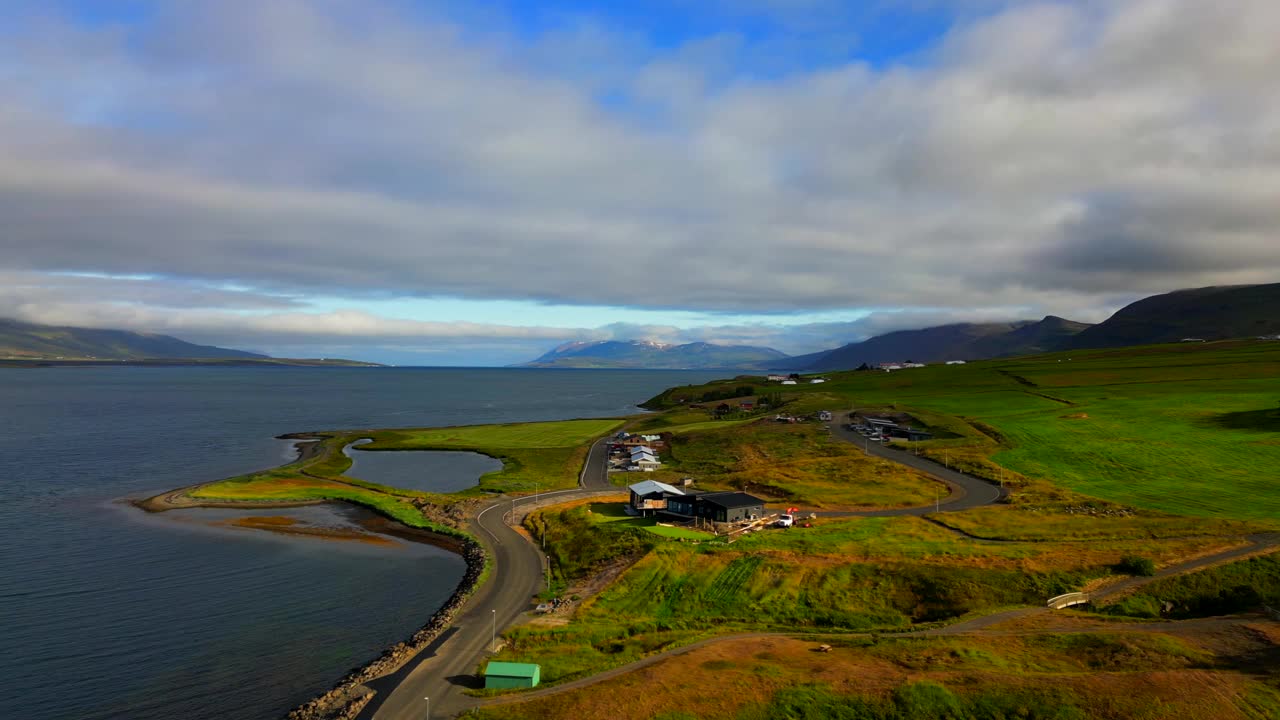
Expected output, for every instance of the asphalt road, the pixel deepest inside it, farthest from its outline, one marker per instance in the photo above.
(445, 669)
(966, 492)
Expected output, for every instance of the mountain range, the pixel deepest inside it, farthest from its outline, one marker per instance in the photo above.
(960, 341)
(22, 340)
(23, 343)
(1212, 313)
(657, 356)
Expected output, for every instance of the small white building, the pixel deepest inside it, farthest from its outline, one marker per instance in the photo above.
(955, 362)
(775, 378)
(642, 458)
(788, 382)
(815, 381)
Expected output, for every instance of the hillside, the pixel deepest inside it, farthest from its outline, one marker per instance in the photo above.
(1210, 313)
(961, 341)
(640, 354)
(19, 340)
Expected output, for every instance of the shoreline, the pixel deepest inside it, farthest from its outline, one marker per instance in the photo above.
(348, 695)
(308, 445)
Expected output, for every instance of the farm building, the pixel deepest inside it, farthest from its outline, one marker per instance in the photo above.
(747, 405)
(651, 495)
(505, 675)
(725, 507)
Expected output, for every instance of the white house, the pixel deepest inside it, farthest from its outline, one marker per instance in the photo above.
(776, 378)
(955, 362)
(643, 458)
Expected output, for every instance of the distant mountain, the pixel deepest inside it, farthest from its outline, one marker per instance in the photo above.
(654, 356)
(30, 341)
(960, 341)
(1049, 334)
(1209, 313)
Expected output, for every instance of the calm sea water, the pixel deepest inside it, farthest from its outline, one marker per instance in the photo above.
(107, 612)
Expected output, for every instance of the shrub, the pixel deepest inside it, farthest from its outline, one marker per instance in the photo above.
(1136, 565)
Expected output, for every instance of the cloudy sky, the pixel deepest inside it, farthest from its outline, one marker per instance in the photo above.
(428, 182)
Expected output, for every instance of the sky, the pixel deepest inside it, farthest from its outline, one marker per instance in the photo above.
(459, 183)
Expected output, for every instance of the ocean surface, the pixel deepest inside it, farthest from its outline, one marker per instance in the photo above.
(109, 612)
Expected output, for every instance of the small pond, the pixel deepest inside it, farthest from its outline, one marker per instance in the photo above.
(436, 471)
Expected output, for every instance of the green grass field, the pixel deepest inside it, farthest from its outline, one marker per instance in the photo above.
(1184, 429)
(798, 464)
(613, 514)
(564, 433)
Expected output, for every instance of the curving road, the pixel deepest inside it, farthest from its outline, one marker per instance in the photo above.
(446, 668)
(967, 492)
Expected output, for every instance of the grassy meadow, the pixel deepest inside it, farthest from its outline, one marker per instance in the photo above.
(793, 464)
(1187, 429)
(1109, 454)
(1085, 675)
(841, 575)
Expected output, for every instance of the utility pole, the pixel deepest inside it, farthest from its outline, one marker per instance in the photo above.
(936, 500)
(493, 637)
(946, 459)
(535, 493)
(428, 716)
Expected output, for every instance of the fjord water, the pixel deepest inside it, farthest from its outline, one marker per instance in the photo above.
(108, 612)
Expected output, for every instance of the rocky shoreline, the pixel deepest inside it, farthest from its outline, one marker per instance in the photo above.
(349, 696)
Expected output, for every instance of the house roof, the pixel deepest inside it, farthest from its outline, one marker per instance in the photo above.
(508, 669)
(648, 487)
(731, 500)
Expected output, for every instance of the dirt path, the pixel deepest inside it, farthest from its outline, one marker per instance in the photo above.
(1259, 544)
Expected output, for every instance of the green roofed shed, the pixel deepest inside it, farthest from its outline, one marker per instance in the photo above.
(505, 675)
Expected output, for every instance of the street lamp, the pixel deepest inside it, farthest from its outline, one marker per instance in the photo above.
(493, 637)
(428, 707)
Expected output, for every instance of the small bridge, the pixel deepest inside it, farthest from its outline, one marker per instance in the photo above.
(1066, 601)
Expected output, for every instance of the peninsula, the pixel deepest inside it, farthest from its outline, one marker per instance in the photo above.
(982, 537)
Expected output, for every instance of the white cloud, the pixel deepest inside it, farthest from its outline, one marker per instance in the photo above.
(1047, 157)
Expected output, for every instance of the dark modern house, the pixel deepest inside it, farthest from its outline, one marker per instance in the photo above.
(651, 495)
(722, 507)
